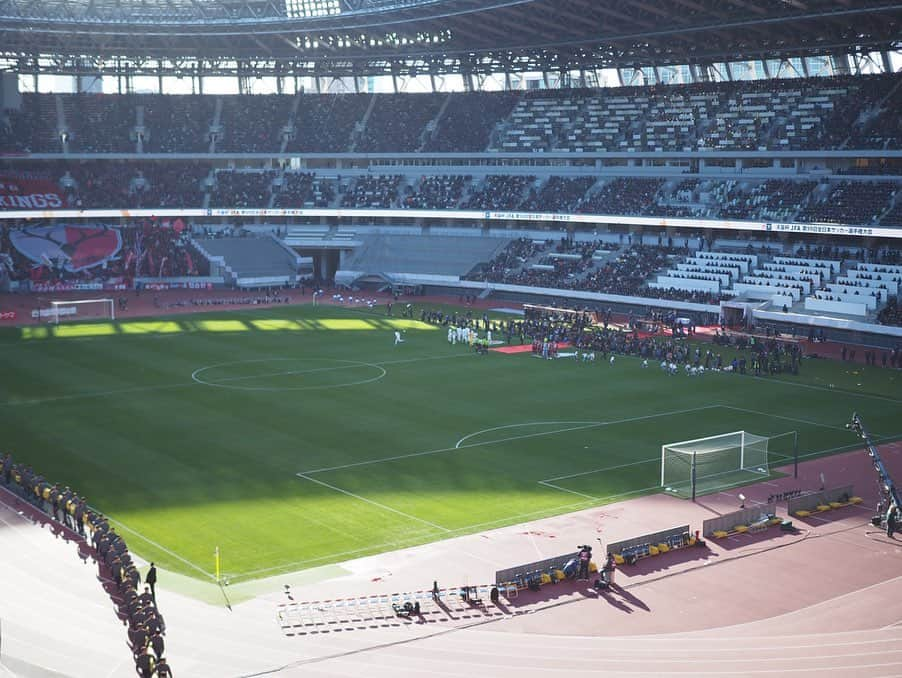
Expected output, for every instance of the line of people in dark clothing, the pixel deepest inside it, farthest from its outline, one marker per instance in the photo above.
(145, 624)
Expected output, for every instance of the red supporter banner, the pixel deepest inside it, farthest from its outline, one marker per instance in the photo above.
(29, 191)
(7, 315)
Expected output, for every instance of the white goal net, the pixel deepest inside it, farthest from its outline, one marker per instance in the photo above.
(713, 462)
(82, 309)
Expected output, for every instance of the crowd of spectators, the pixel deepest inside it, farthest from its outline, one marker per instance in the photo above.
(839, 111)
(624, 195)
(776, 199)
(169, 184)
(499, 192)
(467, 122)
(851, 202)
(177, 123)
(324, 122)
(31, 128)
(149, 248)
(71, 515)
(397, 123)
(558, 194)
(373, 191)
(625, 273)
(303, 189)
(99, 123)
(242, 189)
(512, 258)
(436, 192)
(253, 124)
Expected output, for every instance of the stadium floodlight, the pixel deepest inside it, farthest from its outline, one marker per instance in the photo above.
(716, 461)
(103, 308)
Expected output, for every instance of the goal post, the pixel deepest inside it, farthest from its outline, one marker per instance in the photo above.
(103, 308)
(715, 461)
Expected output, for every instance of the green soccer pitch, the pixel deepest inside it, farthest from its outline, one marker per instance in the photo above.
(297, 436)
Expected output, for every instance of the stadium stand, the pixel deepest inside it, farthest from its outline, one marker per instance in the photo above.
(324, 123)
(304, 189)
(99, 123)
(558, 194)
(436, 192)
(251, 188)
(176, 124)
(468, 122)
(397, 123)
(253, 124)
(622, 196)
(252, 261)
(499, 192)
(437, 255)
(850, 202)
(373, 191)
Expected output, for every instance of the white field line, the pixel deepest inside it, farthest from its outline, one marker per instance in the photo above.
(94, 394)
(144, 389)
(287, 373)
(373, 503)
(815, 387)
(780, 416)
(598, 470)
(353, 364)
(579, 424)
(162, 548)
(405, 543)
(588, 424)
(564, 489)
(525, 436)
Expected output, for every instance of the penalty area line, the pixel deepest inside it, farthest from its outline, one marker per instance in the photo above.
(373, 503)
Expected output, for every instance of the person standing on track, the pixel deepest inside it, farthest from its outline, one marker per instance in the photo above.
(151, 580)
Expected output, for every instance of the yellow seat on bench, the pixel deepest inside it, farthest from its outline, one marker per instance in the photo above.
(836, 504)
(823, 507)
(618, 559)
(741, 528)
(855, 500)
(803, 513)
(663, 548)
(653, 550)
(720, 534)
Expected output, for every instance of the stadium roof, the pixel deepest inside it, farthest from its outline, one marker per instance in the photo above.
(440, 36)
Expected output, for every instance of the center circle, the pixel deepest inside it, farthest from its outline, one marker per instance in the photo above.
(315, 373)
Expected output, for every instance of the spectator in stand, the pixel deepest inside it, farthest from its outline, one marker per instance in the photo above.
(499, 192)
(397, 123)
(558, 194)
(177, 123)
(467, 122)
(851, 202)
(242, 189)
(303, 189)
(373, 191)
(438, 192)
(622, 196)
(253, 123)
(325, 122)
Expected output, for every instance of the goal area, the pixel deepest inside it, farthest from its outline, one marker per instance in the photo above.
(708, 464)
(82, 309)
